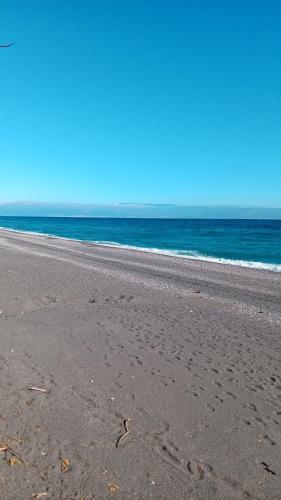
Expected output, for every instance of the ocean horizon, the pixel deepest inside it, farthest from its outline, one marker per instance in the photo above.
(244, 242)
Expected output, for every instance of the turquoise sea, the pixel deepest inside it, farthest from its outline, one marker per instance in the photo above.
(252, 243)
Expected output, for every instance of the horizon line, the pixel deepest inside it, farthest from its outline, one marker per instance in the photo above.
(138, 204)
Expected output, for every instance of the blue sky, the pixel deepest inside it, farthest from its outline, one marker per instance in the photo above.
(107, 101)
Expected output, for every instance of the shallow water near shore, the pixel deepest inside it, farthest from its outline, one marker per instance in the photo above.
(253, 243)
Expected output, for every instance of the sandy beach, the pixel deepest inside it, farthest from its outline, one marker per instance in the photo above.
(186, 352)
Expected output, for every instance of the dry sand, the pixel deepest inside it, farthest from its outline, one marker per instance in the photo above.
(189, 351)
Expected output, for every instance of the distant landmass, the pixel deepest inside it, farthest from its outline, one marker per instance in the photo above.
(137, 210)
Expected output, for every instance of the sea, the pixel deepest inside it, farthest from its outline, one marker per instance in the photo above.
(250, 243)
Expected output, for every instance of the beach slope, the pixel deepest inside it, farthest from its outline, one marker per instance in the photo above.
(183, 354)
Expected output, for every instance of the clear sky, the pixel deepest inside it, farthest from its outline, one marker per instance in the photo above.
(153, 101)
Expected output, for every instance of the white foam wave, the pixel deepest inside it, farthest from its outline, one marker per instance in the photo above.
(194, 256)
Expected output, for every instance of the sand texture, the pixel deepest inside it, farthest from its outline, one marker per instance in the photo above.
(188, 351)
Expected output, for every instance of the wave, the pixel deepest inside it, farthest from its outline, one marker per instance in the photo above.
(193, 255)
(184, 254)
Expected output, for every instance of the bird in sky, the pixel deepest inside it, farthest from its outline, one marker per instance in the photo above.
(6, 46)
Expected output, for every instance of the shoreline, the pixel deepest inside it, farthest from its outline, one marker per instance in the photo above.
(217, 282)
(276, 268)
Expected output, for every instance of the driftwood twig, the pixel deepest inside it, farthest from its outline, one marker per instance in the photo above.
(38, 389)
(125, 423)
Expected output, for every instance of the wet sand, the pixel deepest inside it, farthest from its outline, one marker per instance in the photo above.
(189, 351)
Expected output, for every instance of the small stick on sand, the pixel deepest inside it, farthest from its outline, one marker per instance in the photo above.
(16, 455)
(3, 447)
(5, 438)
(125, 423)
(37, 389)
